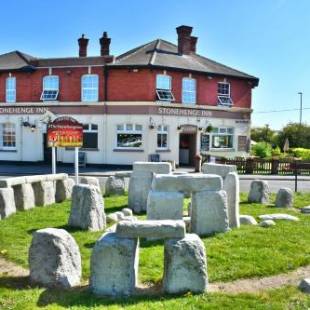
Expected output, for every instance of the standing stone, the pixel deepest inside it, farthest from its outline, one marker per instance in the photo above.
(87, 208)
(285, 198)
(231, 186)
(141, 181)
(165, 206)
(7, 202)
(63, 190)
(44, 193)
(24, 196)
(115, 186)
(185, 265)
(54, 259)
(90, 181)
(114, 265)
(209, 213)
(259, 192)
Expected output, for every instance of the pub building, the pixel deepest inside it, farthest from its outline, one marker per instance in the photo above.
(157, 101)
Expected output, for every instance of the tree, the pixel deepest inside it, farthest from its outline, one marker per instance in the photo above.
(297, 135)
(263, 134)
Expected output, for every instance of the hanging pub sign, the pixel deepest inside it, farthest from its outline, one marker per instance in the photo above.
(65, 132)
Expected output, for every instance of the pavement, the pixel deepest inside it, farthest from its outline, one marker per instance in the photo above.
(275, 181)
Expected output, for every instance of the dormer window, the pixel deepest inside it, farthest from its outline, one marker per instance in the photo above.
(50, 88)
(223, 94)
(163, 88)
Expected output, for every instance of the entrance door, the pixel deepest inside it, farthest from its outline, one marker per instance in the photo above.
(187, 149)
(47, 151)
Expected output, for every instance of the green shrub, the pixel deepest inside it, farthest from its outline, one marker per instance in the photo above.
(262, 150)
(276, 151)
(301, 153)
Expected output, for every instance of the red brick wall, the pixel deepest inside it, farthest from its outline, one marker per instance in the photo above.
(124, 85)
(29, 85)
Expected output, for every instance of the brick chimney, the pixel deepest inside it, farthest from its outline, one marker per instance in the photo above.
(184, 39)
(105, 44)
(193, 44)
(83, 42)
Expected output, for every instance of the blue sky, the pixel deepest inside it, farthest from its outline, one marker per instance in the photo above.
(268, 38)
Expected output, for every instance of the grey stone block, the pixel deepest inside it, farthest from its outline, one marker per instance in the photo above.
(279, 216)
(12, 181)
(231, 186)
(219, 169)
(247, 220)
(90, 181)
(259, 192)
(44, 193)
(305, 210)
(305, 285)
(87, 208)
(115, 186)
(7, 202)
(187, 183)
(24, 196)
(114, 265)
(209, 213)
(63, 190)
(54, 259)
(185, 265)
(165, 206)
(285, 198)
(163, 229)
(267, 223)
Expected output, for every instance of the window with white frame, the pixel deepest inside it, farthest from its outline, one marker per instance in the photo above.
(222, 138)
(7, 136)
(188, 91)
(10, 90)
(223, 94)
(163, 88)
(50, 88)
(162, 137)
(90, 84)
(129, 136)
(90, 136)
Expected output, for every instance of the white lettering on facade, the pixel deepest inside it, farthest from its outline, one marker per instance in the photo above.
(23, 110)
(184, 112)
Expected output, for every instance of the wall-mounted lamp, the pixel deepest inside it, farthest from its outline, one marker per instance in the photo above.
(151, 123)
(27, 124)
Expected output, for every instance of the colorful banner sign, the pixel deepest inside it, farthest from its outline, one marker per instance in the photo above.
(65, 132)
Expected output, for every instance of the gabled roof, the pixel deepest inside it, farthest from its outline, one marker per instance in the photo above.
(15, 61)
(161, 53)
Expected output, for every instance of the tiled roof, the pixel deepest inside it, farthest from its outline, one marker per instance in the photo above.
(160, 53)
(15, 61)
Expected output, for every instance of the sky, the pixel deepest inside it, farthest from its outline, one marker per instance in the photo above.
(269, 39)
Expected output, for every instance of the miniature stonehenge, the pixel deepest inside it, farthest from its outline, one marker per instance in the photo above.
(31, 191)
(114, 260)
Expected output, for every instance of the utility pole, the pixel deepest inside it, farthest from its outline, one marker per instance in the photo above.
(300, 108)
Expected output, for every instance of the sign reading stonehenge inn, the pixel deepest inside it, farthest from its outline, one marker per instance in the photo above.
(65, 132)
(183, 112)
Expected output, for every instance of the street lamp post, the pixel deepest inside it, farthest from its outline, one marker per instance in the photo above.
(300, 108)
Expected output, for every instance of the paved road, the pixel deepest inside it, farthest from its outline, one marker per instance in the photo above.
(275, 182)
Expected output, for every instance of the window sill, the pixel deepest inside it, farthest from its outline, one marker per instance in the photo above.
(163, 150)
(82, 149)
(128, 150)
(222, 149)
(8, 151)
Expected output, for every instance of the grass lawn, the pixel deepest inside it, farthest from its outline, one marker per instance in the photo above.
(242, 253)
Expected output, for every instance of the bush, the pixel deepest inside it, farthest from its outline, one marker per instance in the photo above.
(276, 152)
(301, 153)
(262, 150)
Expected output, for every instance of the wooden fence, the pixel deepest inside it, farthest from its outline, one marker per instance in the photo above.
(268, 167)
